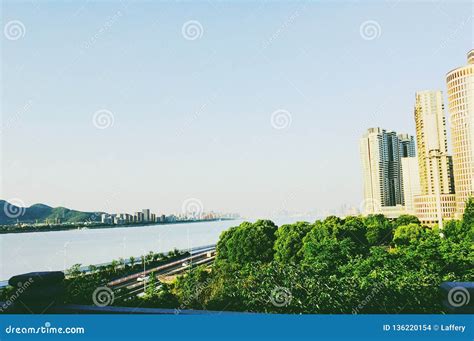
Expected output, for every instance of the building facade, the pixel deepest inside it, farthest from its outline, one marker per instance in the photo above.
(460, 85)
(436, 201)
(432, 143)
(381, 154)
(411, 182)
(146, 215)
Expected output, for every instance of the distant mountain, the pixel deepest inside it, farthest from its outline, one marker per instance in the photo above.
(10, 214)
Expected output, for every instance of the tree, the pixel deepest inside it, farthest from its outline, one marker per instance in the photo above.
(132, 261)
(152, 285)
(248, 242)
(74, 270)
(192, 288)
(222, 249)
(379, 230)
(149, 257)
(328, 253)
(468, 217)
(289, 241)
(406, 234)
(114, 265)
(354, 229)
(406, 219)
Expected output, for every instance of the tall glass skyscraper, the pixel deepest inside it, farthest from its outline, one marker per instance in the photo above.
(460, 85)
(381, 155)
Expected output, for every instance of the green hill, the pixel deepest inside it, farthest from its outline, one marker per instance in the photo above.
(10, 214)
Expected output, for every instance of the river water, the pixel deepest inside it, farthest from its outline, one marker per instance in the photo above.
(59, 250)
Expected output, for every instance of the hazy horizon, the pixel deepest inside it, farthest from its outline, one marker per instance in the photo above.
(251, 108)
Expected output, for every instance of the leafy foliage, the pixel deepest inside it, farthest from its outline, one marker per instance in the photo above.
(352, 265)
(289, 241)
(248, 242)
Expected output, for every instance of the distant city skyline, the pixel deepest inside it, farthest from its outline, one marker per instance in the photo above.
(253, 108)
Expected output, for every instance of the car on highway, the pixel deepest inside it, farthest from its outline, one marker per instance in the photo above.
(143, 278)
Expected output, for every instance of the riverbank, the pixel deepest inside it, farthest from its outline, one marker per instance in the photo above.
(7, 229)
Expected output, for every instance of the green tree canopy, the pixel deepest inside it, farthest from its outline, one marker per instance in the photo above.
(248, 242)
(289, 241)
(406, 234)
(406, 219)
(379, 230)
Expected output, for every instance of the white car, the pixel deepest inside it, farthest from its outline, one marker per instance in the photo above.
(143, 279)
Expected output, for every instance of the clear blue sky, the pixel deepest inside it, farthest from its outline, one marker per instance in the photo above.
(192, 118)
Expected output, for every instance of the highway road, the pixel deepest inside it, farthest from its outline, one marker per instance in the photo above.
(135, 284)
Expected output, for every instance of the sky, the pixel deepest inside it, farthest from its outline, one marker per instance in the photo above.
(249, 107)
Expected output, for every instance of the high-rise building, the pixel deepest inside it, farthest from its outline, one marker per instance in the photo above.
(460, 85)
(411, 182)
(436, 201)
(138, 217)
(434, 162)
(146, 214)
(407, 145)
(381, 153)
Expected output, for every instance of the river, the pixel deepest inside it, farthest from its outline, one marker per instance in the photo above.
(59, 250)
